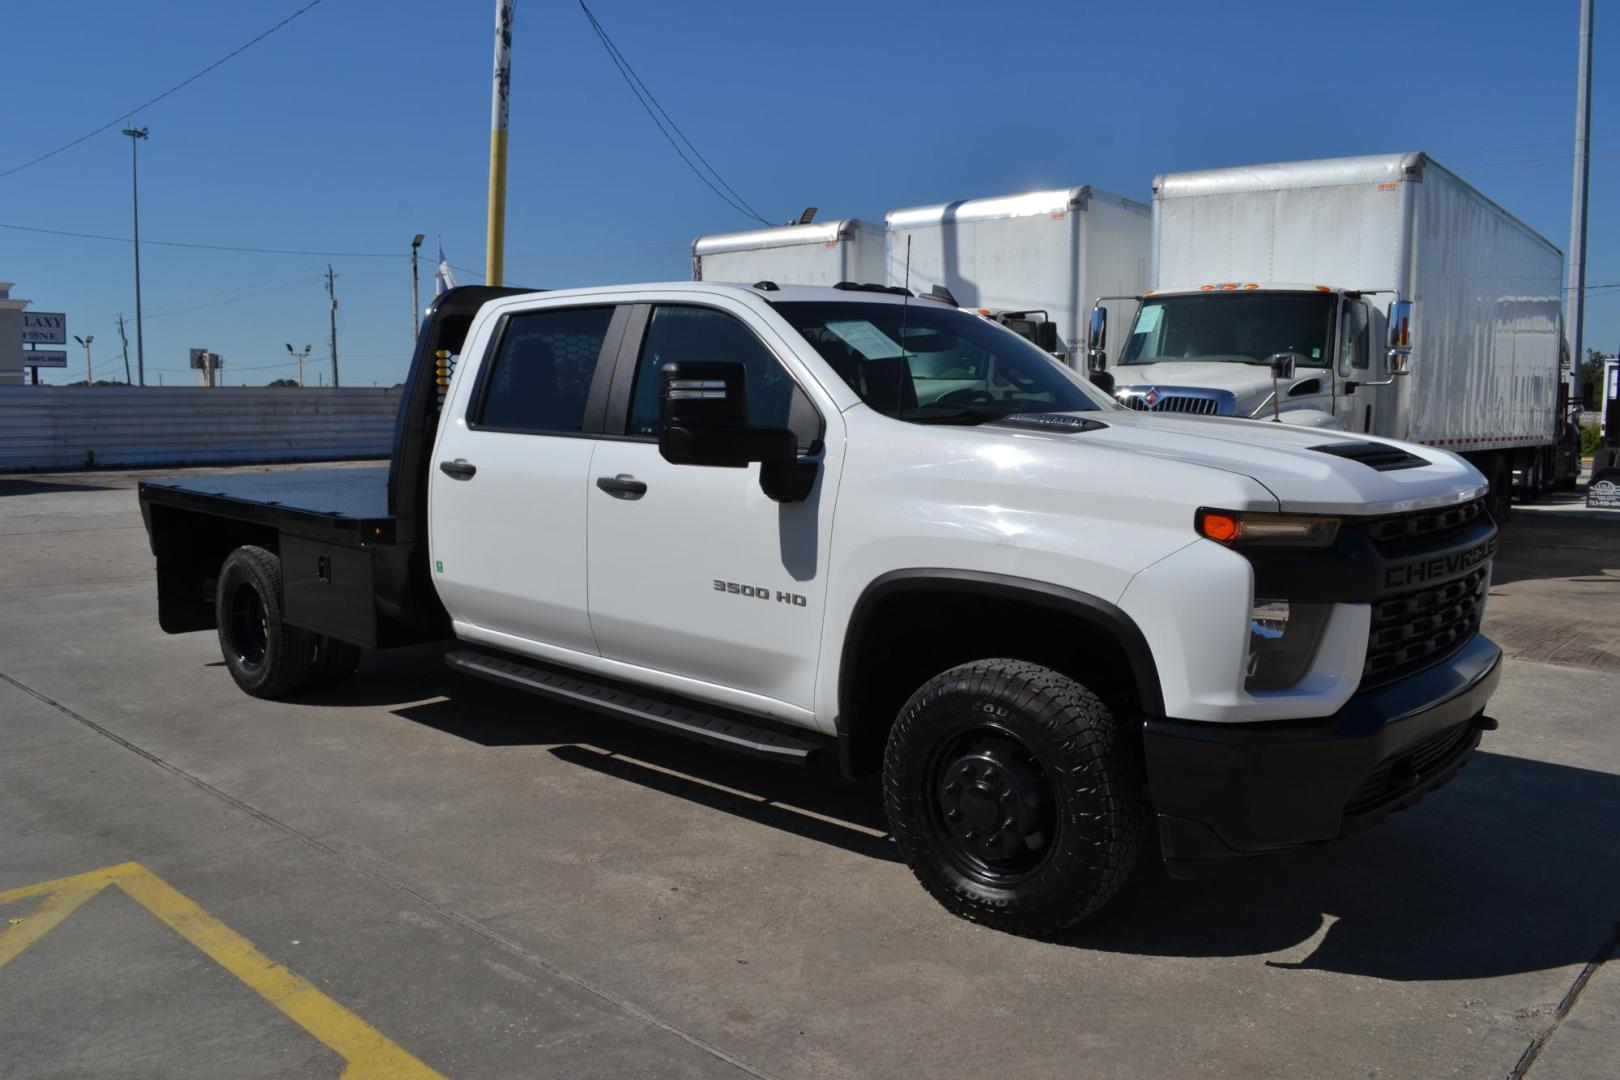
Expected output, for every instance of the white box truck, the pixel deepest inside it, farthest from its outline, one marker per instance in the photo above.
(1018, 257)
(1302, 261)
(818, 253)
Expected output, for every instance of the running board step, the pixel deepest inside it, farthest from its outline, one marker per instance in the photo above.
(729, 734)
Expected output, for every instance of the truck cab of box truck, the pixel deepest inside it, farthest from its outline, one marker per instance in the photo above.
(1217, 349)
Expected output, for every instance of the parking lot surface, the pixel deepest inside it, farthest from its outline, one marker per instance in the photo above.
(417, 875)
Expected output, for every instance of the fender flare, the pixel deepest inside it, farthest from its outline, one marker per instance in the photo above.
(1098, 613)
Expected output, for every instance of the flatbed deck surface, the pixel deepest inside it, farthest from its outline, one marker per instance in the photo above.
(361, 494)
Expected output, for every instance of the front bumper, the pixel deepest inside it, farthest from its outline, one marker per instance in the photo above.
(1224, 791)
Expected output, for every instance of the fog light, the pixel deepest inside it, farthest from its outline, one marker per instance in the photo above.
(1283, 637)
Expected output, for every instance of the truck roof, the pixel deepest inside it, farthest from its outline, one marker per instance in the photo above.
(741, 288)
(1028, 204)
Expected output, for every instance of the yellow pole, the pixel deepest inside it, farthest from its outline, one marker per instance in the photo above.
(495, 242)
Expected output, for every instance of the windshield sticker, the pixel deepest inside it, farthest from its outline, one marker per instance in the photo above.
(1148, 320)
(1316, 354)
(866, 339)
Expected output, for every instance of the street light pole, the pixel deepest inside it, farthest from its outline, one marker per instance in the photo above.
(416, 300)
(299, 356)
(89, 378)
(135, 136)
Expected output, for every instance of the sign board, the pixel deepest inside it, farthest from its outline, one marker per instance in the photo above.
(44, 358)
(202, 358)
(44, 328)
(1604, 490)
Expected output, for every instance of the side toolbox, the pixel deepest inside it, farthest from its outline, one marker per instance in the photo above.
(329, 588)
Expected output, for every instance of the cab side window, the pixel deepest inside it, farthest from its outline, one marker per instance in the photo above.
(1353, 355)
(541, 372)
(679, 332)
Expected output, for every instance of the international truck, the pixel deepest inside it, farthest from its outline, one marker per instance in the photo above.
(1033, 261)
(1303, 260)
(812, 253)
(789, 520)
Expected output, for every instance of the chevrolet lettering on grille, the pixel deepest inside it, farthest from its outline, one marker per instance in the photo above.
(1438, 567)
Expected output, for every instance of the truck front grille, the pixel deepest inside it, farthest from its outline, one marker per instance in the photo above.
(1174, 403)
(1397, 532)
(1414, 629)
(1401, 772)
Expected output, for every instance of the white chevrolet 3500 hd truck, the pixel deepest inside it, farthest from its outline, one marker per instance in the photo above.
(786, 519)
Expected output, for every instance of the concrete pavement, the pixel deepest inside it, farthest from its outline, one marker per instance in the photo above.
(499, 887)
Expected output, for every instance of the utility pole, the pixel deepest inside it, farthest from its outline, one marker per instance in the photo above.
(331, 292)
(299, 356)
(1583, 173)
(135, 136)
(125, 339)
(89, 379)
(416, 300)
(495, 242)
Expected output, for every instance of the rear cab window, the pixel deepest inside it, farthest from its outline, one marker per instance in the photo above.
(538, 378)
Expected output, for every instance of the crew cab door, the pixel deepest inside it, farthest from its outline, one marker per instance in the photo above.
(695, 573)
(507, 492)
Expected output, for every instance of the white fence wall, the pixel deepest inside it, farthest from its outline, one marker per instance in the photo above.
(44, 427)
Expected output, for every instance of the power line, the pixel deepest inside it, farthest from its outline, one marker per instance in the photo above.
(645, 96)
(212, 247)
(125, 114)
(1528, 146)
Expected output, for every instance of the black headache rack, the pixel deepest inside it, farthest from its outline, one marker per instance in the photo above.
(352, 541)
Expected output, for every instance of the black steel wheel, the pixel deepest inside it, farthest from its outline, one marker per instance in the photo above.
(266, 657)
(1014, 795)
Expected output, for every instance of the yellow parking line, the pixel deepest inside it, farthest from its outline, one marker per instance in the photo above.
(370, 1054)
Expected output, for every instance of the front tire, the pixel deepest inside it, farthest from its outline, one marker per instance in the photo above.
(266, 657)
(1014, 795)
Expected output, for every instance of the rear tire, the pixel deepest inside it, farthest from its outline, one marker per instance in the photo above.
(334, 662)
(1014, 795)
(266, 657)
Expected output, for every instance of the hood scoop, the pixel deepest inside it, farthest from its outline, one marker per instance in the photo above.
(1373, 455)
(1062, 423)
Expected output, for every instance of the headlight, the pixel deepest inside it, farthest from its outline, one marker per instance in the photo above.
(1258, 529)
(1283, 636)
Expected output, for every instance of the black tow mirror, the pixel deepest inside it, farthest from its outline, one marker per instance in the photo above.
(704, 419)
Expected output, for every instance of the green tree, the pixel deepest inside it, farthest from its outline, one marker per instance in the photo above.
(1591, 375)
(282, 382)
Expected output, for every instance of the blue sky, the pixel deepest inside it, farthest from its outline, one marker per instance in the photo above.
(365, 121)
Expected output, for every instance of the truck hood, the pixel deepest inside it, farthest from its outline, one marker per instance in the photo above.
(1249, 384)
(1287, 460)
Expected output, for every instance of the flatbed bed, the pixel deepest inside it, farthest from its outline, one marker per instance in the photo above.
(336, 503)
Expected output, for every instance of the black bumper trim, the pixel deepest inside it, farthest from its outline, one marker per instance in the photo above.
(1224, 791)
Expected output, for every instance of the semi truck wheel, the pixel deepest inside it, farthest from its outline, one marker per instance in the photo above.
(1013, 795)
(334, 662)
(266, 657)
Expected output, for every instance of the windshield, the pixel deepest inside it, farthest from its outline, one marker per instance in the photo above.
(1240, 328)
(927, 364)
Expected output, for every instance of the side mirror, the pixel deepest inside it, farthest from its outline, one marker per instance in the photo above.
(1282, 366)
(704, 419)
(1400, 337)
(1097, 339)
(1104, 381)
(1046, 336)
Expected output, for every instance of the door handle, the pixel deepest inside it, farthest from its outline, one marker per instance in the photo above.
(461, 468)
(623, 486)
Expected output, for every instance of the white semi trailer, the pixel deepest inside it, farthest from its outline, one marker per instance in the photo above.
(1299, 265)
(819, 253)
(1028, 259)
